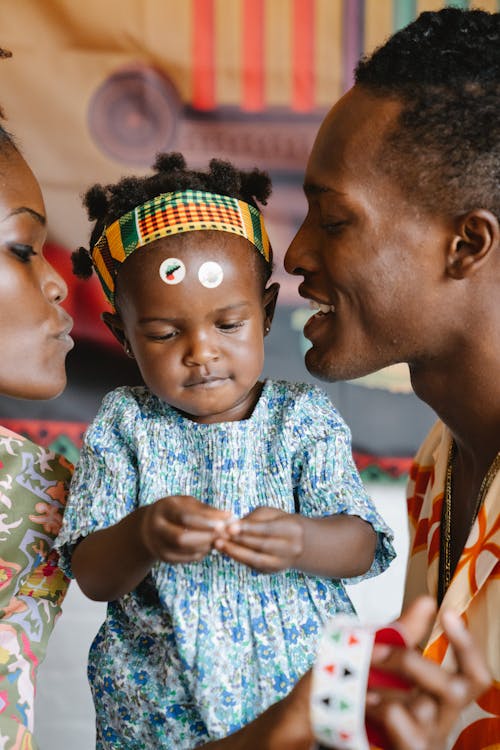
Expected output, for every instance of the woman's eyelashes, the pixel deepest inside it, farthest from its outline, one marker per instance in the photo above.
(23, 252)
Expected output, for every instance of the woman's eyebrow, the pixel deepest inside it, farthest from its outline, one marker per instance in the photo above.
(25, 210)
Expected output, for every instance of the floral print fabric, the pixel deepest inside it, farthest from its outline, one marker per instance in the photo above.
(474, 590)
(33, 487)
(198, 650)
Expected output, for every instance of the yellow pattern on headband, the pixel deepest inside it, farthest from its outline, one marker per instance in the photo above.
(169, 214)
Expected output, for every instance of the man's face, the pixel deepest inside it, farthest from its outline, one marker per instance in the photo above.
(373, 261)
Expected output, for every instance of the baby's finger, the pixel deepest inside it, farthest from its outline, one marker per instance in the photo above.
(191, 540)
(247, 556)
(279, 547)
(271, 528)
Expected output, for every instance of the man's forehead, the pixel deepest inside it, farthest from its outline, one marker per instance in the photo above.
(351, 133)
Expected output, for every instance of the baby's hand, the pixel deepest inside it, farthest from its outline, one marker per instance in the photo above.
(181, 529)
(267, 540)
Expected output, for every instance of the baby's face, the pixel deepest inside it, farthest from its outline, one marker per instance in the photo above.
(193, 312)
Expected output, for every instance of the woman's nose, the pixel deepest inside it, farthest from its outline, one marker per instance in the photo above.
(53, 285)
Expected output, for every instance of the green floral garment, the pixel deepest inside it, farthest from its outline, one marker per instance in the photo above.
(33, 487)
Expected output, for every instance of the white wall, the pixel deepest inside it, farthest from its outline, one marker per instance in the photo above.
(64, 712)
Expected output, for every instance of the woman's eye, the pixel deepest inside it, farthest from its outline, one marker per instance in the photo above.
(23, 252)
(230, 326)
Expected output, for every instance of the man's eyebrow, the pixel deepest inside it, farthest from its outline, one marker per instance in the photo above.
(314, 188)
(25, 210)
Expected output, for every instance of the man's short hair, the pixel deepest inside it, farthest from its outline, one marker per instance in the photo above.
(445, 69)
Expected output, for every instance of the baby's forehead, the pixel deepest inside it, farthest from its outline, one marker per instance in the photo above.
(197, 247)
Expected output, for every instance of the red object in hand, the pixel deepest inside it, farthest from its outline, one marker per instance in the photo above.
(381, 678)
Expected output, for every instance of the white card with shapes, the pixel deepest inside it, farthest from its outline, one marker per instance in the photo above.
(340, 676)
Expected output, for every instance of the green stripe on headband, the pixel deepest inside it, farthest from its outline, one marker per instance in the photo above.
(169, 214)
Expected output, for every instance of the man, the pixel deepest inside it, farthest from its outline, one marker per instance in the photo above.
(401, 249)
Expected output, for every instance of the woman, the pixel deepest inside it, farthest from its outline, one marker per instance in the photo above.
(33, 481)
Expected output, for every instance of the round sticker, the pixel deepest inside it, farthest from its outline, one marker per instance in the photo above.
(210, 274)
(172, 271)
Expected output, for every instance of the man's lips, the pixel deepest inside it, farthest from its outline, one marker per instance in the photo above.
(322, 306)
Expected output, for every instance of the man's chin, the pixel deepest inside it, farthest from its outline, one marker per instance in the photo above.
(325, 366)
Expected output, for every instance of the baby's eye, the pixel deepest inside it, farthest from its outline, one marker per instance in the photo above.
(163, 336)
(23, 252)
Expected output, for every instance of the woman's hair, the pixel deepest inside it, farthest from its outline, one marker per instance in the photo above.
(444, 68)
(6, 139)
(105, 204)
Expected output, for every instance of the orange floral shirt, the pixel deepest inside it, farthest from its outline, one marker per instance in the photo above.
(474, 590)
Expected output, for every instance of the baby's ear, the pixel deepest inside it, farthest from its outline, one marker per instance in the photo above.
(115, 325)
(270, 299)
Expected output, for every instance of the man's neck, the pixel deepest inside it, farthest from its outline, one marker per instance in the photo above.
(464, 391)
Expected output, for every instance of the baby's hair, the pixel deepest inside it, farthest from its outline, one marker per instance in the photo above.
(6, 139)
(105, 204)
(445, 70)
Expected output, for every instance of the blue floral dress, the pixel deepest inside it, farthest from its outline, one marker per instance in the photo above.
(200, 649)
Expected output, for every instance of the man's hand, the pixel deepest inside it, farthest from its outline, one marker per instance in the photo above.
(422, 718)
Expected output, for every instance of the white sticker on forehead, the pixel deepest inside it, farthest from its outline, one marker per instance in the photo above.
(210, 274)
(172, 271)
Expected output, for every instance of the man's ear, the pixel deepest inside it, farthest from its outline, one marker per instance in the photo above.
(477, 234)
(115, 325)
(270, 299)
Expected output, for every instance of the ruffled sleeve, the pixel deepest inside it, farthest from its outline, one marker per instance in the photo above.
(326, 479)
(104, 486)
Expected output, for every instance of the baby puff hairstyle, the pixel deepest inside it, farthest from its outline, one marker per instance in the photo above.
(105, 204)
(6, 139)
(444, 68)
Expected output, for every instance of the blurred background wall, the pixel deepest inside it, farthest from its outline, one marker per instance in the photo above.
(93, 91)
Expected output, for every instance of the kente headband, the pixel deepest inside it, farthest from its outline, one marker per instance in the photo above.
(169, 214)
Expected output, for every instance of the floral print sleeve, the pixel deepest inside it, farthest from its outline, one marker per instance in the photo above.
(33, 486)
(104, 485)
(326, 478)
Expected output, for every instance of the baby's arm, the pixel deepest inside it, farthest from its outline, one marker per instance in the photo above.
(339, 546)
(336, 532)
(111, 562)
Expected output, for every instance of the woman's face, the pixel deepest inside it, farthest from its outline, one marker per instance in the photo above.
(34, 329)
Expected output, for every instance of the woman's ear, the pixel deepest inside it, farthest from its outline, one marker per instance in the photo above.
(477, 234)
(115, 325)
(270, 299)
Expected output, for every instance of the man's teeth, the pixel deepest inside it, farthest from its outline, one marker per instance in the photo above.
(321, 307)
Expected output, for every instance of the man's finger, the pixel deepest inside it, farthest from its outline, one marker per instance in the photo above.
(416, 620)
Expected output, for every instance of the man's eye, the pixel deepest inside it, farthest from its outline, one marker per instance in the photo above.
(333, 227)
(23, 252)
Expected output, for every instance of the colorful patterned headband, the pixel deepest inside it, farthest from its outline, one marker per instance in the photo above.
(169, 214)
